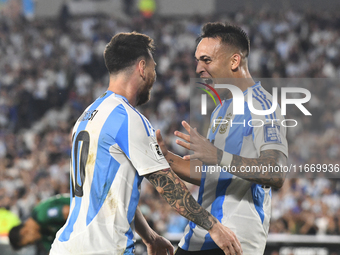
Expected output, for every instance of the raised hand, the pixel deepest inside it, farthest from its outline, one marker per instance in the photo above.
(203, 149)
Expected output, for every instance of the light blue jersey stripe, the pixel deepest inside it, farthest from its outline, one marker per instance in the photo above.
(258, 198)
(234, 140)
(260, 100)
(269, 102)
(65, 235)
(132, 208)
(106, 167)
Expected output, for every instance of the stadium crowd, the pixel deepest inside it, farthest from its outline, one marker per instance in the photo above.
(50, 70)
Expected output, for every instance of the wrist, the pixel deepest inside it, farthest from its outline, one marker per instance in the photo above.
(214, 227)
(226, 159)
(150, 238)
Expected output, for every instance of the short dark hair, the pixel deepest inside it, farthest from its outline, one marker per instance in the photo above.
(15, 237)
(125, 48)
(229, 34)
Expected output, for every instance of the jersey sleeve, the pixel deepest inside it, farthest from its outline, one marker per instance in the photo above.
(269, 133)
(137, 139)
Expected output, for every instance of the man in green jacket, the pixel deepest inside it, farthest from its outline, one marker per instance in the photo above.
(45, 221)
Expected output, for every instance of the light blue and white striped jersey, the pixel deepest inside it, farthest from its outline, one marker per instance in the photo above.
(113, 146)
(242, 206)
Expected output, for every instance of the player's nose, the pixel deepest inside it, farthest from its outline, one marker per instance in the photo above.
(199, 68)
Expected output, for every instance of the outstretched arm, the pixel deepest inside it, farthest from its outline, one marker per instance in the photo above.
(173, 190)
(155, 244)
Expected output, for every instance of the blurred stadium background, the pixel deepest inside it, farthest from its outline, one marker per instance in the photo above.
(51, 68)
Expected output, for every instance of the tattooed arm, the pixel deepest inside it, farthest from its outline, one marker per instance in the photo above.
(273, 158)
(173, 190)
(178, 196)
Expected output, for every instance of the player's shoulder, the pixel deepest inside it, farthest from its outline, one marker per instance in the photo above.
(136, 118)
(261, 99)
(258, 92)
(111, 104)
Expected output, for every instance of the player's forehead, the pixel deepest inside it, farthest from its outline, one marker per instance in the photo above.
(208, 46)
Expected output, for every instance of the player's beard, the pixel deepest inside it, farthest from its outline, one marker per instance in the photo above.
(144, 93)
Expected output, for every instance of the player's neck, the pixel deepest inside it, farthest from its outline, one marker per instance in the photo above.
(244, 80)
(124, 86)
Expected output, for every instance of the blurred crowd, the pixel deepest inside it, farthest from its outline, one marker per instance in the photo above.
(50, 70)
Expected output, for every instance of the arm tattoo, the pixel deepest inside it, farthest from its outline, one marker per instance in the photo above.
(170, 162)
(178, 196)
(267, 158)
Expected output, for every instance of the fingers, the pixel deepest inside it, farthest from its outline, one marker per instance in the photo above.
(183, 144)
(161, 142)
(171, 250)
(235, 247)
(186, 126)
(238, 247)
(230, 250)
(159, 137)
(191, 131)
(229, 243)
(182, 136)
(237, 244)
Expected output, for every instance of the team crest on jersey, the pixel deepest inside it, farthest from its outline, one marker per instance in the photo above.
(156, 151)
(213, 127)
(224, 126)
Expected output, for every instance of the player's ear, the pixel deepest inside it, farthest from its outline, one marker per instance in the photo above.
(235, 61)
(141, 68)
